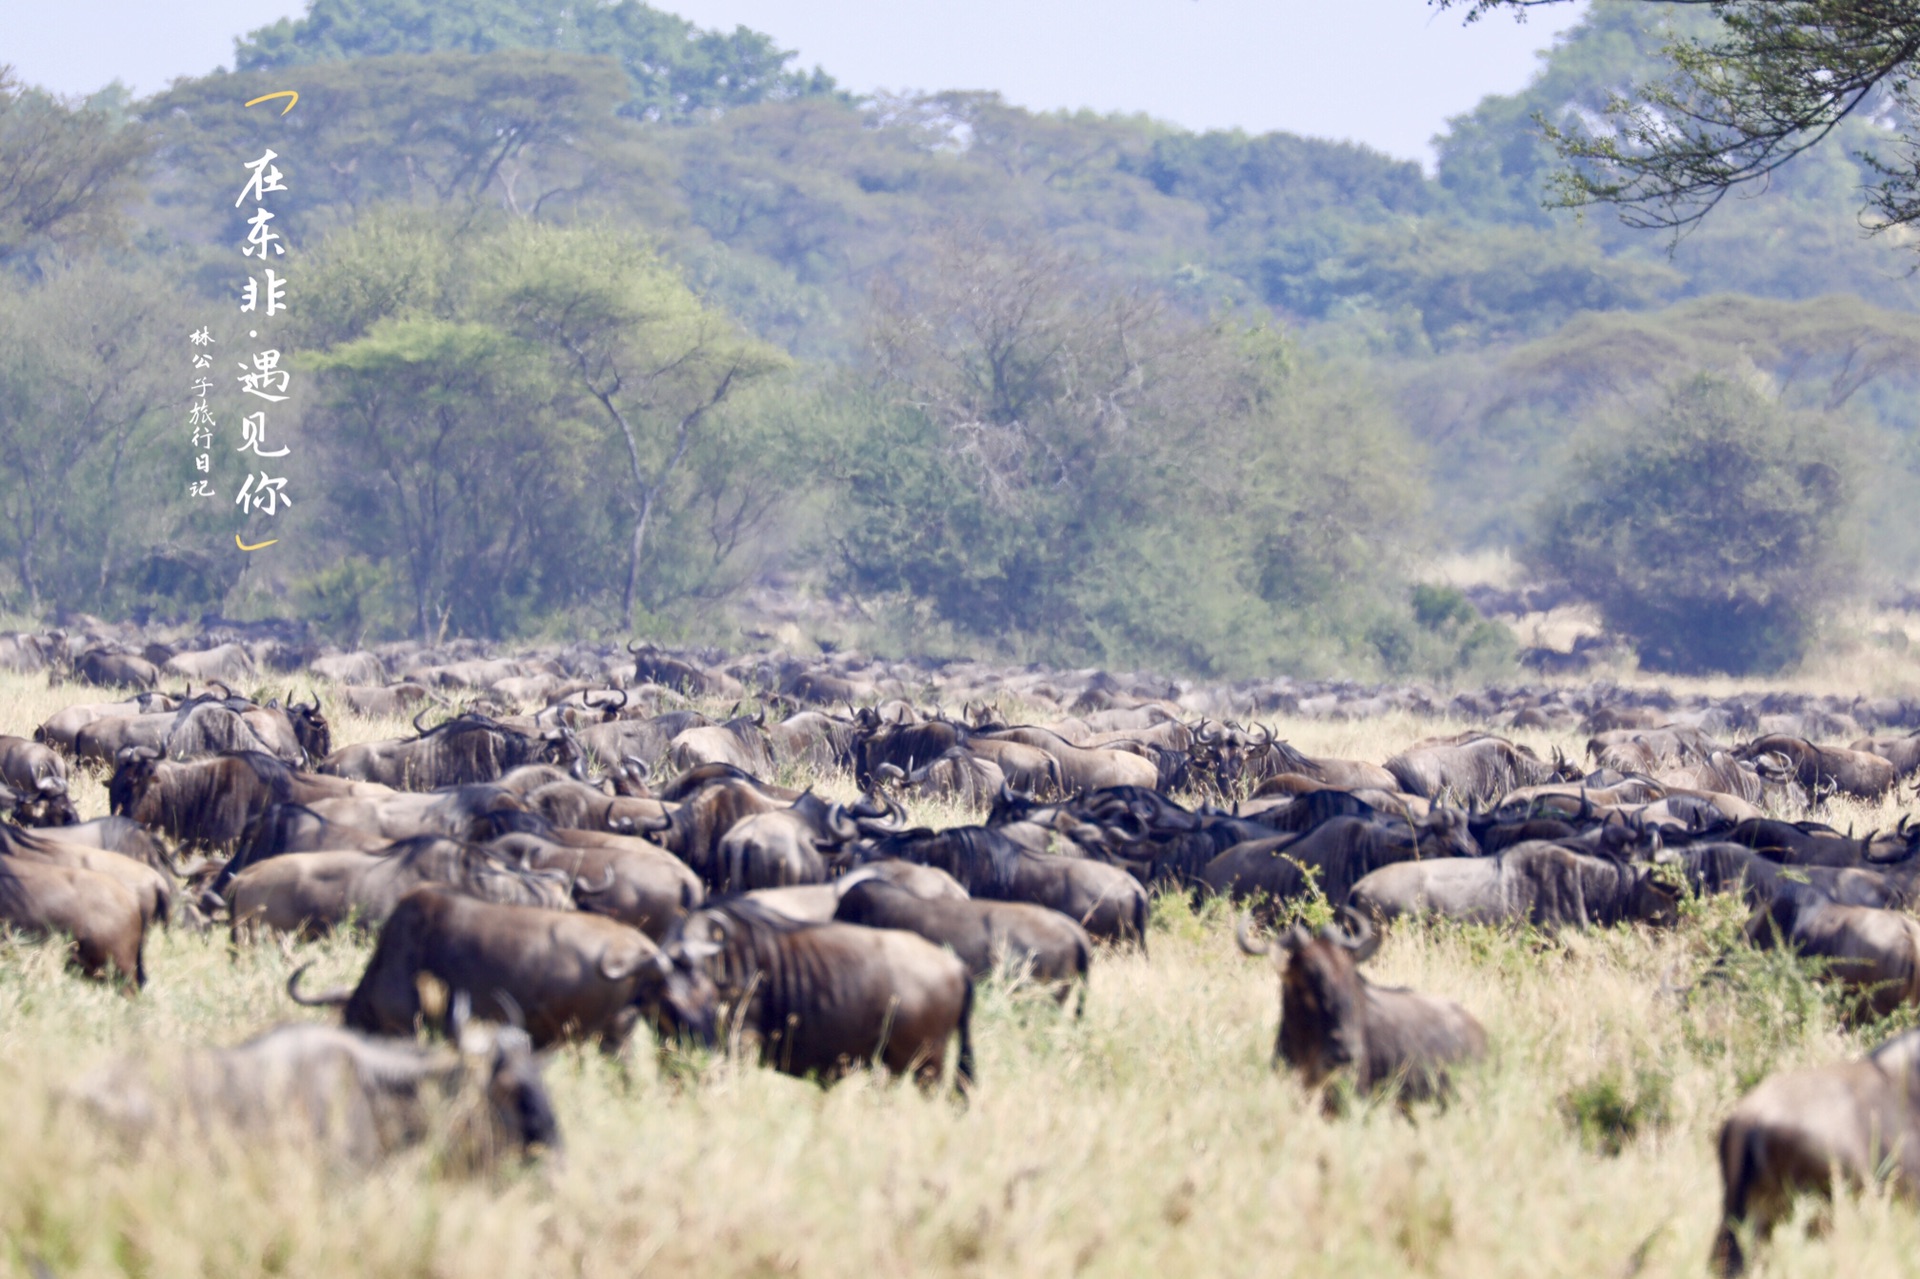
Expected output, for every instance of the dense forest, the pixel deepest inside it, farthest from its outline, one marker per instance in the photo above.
(601, 323)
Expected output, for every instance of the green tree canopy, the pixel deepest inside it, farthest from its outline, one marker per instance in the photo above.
(674, 69)
(1709, 531)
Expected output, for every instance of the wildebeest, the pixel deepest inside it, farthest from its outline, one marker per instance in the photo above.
(109, 669)
(1043, 943)
(313, 893)
(31, 768)
(1532, 883)
(637, 883)
(63, 726)
(466, 749)
(1854, 1122)
(1826, 769)
(103, 916)
(1334, 855)
(390, 701)
(209, 802)
(360, 1096)
(1105, 900)
(568, 975)
(1333, 1019)
(1872, 951)
(1473, 767)
(822, 998)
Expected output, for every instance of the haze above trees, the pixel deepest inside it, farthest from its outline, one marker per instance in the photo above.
(607, 319)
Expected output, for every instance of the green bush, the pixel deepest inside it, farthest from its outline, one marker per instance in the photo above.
(1709, 532)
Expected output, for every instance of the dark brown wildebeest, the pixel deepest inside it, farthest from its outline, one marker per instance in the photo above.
(1799, 1132)
(568, 975)
(1334, 855)
(814, 740)
(823, 998)
(1080, 768)
(640, 884)
(1103, 899)
(465, 750)
(1472, 768)
(741, 742)
(209, 802)
(1232, 755)
(987, 935)
(654, 665)
(1531, 883)
(693, 831)
(960, 775)
(789, 845)
(1333, 1019)
(1824, 770)
(313, 893)
(102, 915)
(360, 1096)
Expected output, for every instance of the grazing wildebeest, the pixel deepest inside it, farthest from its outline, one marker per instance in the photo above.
(823, 998)
(391, 701)
(360, 1096)
(115, 670)
(568, 975)
(1333, 1019)
(1531, 883)
(1046, 945)
(1872, 951)
(1799, 1132)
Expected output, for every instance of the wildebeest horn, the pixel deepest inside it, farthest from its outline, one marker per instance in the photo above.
(1357, 934)
(1243, 933)
(891, 770)
(638, 765)
(601, 887)
(616, 973)
(630, 647)
(326, 999)
(418, 716)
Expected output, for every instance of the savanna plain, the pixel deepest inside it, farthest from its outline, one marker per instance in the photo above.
(1149, 1136)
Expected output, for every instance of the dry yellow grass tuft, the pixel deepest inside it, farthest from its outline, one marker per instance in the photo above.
(1152, 1137)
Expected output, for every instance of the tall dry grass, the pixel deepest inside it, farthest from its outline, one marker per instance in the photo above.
(1152, 1137)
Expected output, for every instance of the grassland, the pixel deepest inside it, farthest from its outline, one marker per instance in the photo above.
(1149, 1138)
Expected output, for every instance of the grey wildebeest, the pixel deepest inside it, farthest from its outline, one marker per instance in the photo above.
(1333, 1019)
(1800, 1132)
(568, 975)
(1534, 883)
(823, 998)
(1872, 951)
(360, 1096)
(1471, 768)
(1334, 855)
(466, 749)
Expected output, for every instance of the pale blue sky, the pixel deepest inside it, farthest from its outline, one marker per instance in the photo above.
(1384, 72)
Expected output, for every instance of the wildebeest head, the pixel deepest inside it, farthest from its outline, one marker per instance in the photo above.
(133, 771)
(310, 728)
(503, 1060)
(1322, 995)
(47, 806)
(675, 989)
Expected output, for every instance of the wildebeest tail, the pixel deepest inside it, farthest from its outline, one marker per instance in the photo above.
(1142, 908)
(963, 1069)
(1083, 962)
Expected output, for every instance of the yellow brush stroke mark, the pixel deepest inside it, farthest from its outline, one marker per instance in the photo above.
(256, 546)
(291, 95)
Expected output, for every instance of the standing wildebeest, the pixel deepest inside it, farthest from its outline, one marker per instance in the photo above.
(822, 998)
(209, 802)
(569, 975)
(63, 726)
(1797, 1133)
(1332, 1018)
(1472, 768)
(103, 916)
(1531, 883)
(1105, 900)
(115, 670)
(361, 1096)
(1874, 952)
(1048, 946)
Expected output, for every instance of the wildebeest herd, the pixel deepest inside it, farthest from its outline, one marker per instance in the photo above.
(565, 847)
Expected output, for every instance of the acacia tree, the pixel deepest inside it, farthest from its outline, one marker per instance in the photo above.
(624, 331)
(1773, 79)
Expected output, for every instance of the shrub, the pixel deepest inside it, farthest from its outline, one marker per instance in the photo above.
(1707, 533)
